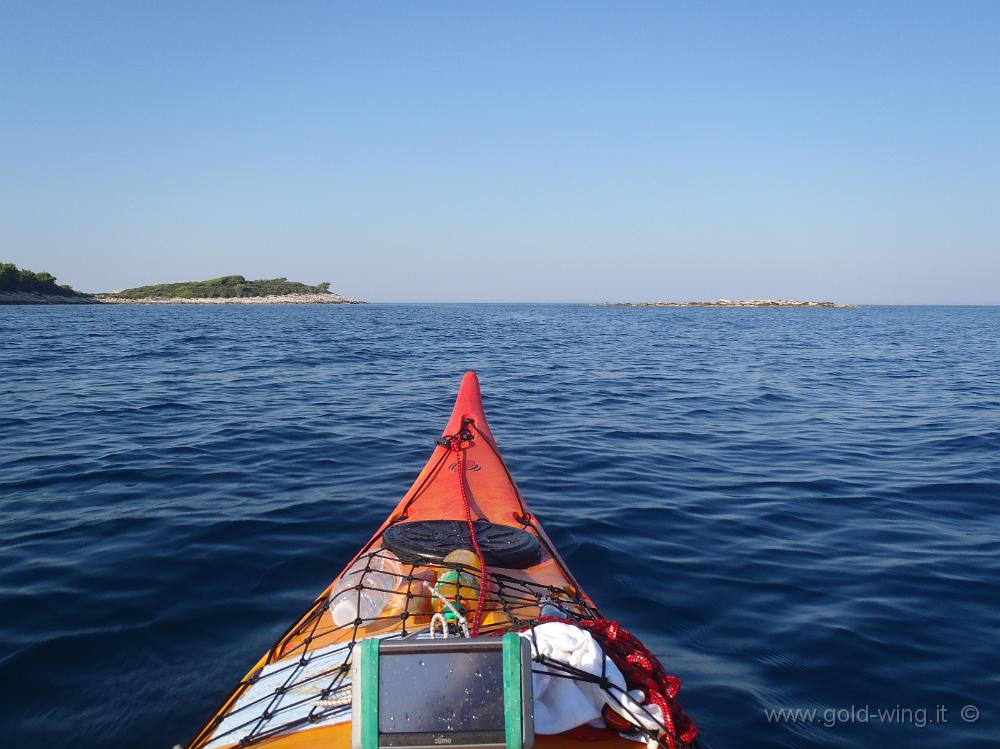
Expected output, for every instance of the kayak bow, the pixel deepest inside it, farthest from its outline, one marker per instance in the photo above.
(299, 693)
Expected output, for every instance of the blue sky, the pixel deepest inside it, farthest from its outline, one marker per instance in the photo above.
(573, 151)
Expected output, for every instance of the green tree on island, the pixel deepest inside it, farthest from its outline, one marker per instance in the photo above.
(13, 278)
(224, 287)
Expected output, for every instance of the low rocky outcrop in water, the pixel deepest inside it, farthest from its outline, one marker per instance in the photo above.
(732, 303)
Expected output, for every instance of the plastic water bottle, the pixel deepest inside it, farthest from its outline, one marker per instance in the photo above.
(420, 604)
(460, 583)
(384, 574)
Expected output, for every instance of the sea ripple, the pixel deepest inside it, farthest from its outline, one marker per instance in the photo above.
(793, 508)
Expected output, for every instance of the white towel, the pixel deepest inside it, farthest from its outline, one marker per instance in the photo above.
(561, 703)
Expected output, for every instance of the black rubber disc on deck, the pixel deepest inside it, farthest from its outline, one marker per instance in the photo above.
(425, 541)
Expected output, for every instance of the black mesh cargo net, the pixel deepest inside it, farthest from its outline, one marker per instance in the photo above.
(305, 679)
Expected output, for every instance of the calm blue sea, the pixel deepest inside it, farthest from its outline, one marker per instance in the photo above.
(796, 509)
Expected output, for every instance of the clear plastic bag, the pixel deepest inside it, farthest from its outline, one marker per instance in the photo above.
(383, 575)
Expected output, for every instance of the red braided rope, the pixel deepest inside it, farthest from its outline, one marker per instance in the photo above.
(477, 619)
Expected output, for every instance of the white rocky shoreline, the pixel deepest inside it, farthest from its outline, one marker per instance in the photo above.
(30, 297)
(325, 298)
(27, 297)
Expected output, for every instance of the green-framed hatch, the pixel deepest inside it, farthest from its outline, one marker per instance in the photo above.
(458, 692)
